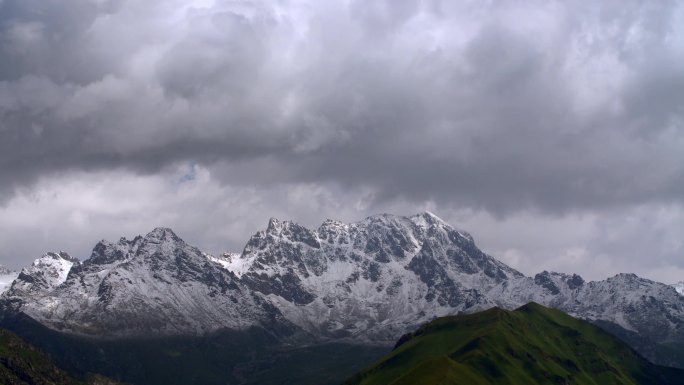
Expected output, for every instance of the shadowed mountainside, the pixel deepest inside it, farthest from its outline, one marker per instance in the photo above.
(23, 364)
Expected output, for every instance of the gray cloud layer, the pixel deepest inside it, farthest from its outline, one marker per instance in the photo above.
(496, 108)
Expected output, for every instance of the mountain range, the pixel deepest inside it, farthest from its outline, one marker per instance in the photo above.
(367, 282)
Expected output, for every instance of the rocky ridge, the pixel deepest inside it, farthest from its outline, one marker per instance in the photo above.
(155, 284)
(369, 281)
(372, 279)
(679, 287)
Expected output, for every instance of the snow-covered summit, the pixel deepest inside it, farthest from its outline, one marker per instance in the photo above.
(679, 287)
(45, 273)
(374, 278)
(156, 284)
(370, 279)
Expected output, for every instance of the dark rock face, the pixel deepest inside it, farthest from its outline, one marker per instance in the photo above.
(28, 278)
(441, 287)
(575, 282)
(287, 286)
(543, 280)
(105, 252)
(463, 261)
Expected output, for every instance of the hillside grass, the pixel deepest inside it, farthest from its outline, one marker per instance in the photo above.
(530, 345)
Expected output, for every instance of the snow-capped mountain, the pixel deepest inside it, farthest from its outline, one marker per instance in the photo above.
(374, 279)
(679, 287)
(378, 278)
(634, 304)
(371, 280)
(6, 278)
(154, 284)
(44, 274)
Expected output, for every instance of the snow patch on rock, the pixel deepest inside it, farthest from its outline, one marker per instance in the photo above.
(679, 287)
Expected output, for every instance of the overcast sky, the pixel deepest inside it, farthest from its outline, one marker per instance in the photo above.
(551, 131)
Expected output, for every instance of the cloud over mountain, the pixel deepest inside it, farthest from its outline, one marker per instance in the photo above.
(523, 113)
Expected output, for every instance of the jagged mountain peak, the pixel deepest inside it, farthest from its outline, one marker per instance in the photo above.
(154, 284)
(332, 225)
(160, 242)
(45, 273)
(556, 283)
(392, 221)
(629, 279)
(407, 268)
(106, 252)
(331, 230)
(428, 220)
(163, 245)
(286, 229)
(385, 223)
(60, 255)
(53, 258)
(428, 217)
(679, 287)
(273, 224)
(626, 276)
(573, 279)
(163, 234)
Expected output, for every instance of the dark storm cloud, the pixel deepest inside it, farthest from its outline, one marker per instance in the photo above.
(502, 107)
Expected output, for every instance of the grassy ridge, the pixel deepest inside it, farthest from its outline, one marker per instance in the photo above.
(530, 345)
(22, 364)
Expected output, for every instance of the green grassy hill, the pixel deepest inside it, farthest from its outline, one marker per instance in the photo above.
(22, 364)
(530, 345)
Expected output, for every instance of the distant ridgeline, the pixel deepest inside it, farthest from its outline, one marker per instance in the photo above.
(530, 345)
(153, 309)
